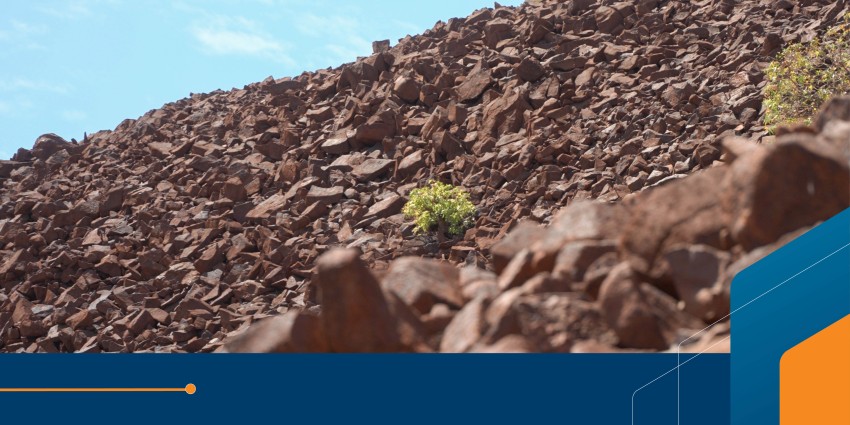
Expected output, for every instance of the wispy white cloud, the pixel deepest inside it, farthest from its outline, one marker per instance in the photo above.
(15, 105)
(24, 84)
(335, 25)
(73, 115)
(345, 52)
(27, 28)
(71, 10)
(22, 35)
(344, 29)
(314, 25)
(222, 35)
(76, 9)
(22, 104)
(225, 42)
(410, 27)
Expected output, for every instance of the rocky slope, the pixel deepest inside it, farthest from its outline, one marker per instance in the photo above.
(652, 272)
(178, 230)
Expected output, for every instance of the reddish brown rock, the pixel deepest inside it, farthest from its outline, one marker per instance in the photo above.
(268, 206)
(519, 269)
(523, 236)
(698, 275)
(579, 221)
(692, 216)
(410, 164)
(210, 257)
(474, 85)
(337, 145)
(140, 322)
(550, 322)
(834, 110)
(508, 344)
(609, 20)
(407, 89)
(467, 327)
(16, 263)
(476, 282)
(375, 129)
(355, 314)
(109, 266)
(641, 315)
(292, 332)
(529, 69)
(575, 258)
(327, 195)
(234, 190)
(80, 320)
(48, 144)
(626, 309)
(384, 208)
(422, 283)
(6, 167)
(795, 183)
(372, 168)
(505, 114)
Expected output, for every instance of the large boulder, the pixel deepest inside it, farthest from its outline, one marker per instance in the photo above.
(678, 213)
(698, 273)
(797, 182)
(421, 283)
(355, 314)
(48, 144)
(525, 234)
(641, 315)
(578, 221)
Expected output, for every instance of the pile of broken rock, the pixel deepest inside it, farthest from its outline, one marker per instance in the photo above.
(647, 273)
(178, 230)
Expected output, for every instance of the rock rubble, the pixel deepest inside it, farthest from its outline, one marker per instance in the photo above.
(572, 125)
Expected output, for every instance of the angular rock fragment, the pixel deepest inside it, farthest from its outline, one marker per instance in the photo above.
(267, 207)
(474, 85)
(292, 332)
(698, 275)
(407, 89)
(422, 283)
(795, 183)
(627, 310)
(355, 314)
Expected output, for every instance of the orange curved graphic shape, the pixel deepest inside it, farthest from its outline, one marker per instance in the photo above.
(814, 378)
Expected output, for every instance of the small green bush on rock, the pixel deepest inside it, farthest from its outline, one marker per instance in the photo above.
(442, 205)
(804, 76)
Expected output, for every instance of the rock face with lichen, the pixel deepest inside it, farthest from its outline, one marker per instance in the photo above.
(614, 152)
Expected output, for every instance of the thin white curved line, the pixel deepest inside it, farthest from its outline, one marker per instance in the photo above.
(671, 371)
(679, 346)
(679, 364)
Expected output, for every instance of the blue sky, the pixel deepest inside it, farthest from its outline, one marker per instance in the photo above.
(70, 66)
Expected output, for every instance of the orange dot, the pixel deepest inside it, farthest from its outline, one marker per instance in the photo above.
(190, 388)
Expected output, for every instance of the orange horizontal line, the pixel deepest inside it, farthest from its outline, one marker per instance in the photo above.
(188, 389)
(91, 390)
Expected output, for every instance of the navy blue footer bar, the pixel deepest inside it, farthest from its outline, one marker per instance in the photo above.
(374, 389)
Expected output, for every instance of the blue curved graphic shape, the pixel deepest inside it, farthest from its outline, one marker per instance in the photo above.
(778, 302)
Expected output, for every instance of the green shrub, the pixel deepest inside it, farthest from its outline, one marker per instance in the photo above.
(803, 76)
(442, 205)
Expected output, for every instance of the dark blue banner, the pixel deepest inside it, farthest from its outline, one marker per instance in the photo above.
(374, 389)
